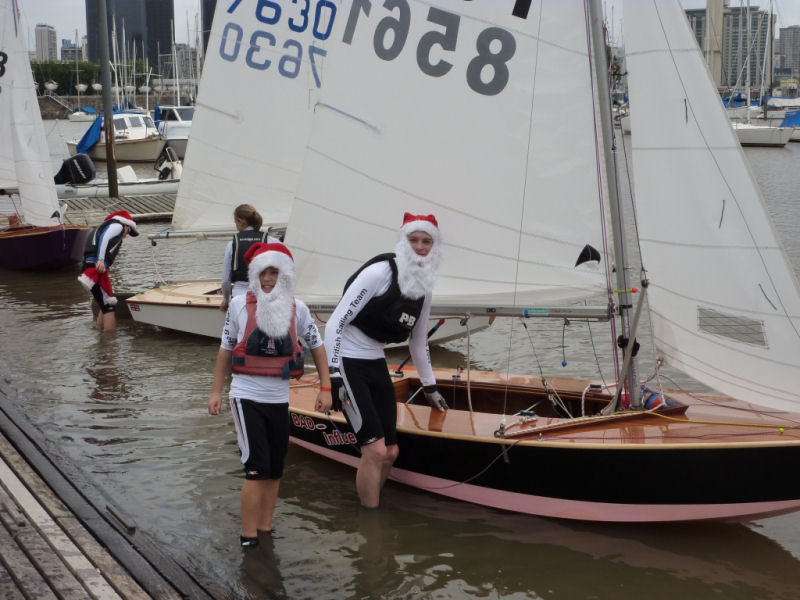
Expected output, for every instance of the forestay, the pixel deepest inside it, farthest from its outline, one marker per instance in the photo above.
(252, 120)
(24, 157)
(724, 300)
(466, 111)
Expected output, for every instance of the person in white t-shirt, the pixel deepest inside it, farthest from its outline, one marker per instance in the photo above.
(260, 346)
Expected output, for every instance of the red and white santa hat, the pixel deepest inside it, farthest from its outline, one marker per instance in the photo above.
(426, 223)
(260, 256)
(124, 218)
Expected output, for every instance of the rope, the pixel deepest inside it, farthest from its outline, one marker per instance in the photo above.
(502, 454)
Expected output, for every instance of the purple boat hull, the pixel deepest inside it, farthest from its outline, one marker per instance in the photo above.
(42, 247)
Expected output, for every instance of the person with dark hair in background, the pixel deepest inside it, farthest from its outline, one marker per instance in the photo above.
(234, 270)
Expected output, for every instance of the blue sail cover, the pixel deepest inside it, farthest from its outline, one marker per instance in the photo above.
(792, 119)
(91, 137)
(157, 116)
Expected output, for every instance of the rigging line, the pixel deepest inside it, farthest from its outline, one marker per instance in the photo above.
(502, 454)
(735, 199)
(596, 356)
(529, 151)
(769, 413)
(726, 423)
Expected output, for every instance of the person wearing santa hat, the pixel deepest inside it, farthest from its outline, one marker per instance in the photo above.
(260, 347)
(388, 300)
(102, 247)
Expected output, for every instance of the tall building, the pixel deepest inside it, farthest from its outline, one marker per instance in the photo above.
(70, 51)
(143, 27)
(787, 51)
(46, 49)
(727, 42)
(207, 8)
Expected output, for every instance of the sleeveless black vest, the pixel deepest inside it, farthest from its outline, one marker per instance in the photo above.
(242, 240)
(390, 317)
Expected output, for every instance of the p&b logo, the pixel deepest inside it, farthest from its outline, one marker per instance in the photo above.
(408, 320)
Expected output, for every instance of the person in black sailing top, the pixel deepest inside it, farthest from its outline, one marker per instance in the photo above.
(234, 270)
(260, 345)
(102, 247)
(387, 300)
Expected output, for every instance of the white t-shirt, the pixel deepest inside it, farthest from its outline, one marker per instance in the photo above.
(262, 388)
(343, 339)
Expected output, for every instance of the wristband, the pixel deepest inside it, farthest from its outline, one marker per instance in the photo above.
(324, 389)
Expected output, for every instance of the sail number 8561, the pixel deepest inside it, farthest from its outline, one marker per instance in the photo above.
(487, 72)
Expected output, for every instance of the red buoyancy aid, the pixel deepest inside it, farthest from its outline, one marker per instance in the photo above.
(259, 354)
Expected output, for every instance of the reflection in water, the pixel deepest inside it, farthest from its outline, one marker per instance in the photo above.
(260, 575)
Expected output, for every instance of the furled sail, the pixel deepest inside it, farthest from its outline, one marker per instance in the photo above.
(724, 300)
(471, 112)
(24, 157)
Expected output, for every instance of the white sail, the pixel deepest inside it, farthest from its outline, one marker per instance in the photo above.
(724, 301)
(458, 122)
(252, 120)
(24, 157)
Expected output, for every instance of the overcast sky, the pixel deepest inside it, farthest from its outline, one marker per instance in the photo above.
(68, 15)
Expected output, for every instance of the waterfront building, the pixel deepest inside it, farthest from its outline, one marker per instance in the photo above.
(722, 33)
(70, 51)
(46, 49)
(787, 51)
(147, 24)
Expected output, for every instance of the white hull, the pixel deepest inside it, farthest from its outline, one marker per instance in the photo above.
(193, 307)
(143, 150)
(762, 135)
(100, 189)
(81, 117)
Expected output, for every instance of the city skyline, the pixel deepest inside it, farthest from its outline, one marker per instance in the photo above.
(65, 16)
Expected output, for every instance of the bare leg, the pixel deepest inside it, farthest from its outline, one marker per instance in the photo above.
(258, 505)
(109, 321)
(376, 462)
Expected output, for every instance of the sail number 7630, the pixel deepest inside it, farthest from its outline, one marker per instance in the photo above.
(487, 71)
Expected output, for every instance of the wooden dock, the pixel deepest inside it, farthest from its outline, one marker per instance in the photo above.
(59, 537)
(92, 211)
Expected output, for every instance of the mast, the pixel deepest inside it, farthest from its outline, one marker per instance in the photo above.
(628, 377)
(105, 70)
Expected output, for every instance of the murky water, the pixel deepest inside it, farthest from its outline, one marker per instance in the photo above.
(130, 410)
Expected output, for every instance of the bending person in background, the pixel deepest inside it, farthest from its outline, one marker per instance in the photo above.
(260, 345)
(102, 247)
(234, 270)
(388, 300)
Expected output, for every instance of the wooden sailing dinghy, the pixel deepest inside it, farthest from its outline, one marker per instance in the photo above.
(466, 124)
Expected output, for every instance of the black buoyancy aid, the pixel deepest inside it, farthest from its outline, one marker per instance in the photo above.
(242, 240)
(390, 317)
(93, 244)
(259, 354)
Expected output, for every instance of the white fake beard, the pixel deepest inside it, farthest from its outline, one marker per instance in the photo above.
(416, 274)
(274, 309)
